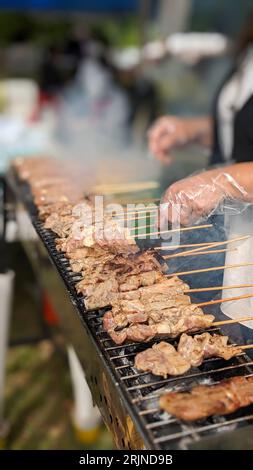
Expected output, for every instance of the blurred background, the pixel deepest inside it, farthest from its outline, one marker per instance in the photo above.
(84, 80)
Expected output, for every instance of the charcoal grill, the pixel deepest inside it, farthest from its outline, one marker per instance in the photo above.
(127, 399)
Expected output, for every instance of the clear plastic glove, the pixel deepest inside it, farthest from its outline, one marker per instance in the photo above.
(192, 198)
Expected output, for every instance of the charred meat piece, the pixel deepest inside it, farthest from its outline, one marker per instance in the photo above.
(196, 349)
(162, 359)
(169, 327)
(163, 290)
(107, 233)
(203, 401)
(134, 333)
(192, 350)
(104, 291)
(121, 264)
(188, 319)
(148, 287)
(60, 208)
(174, 326)
(61, 225)
(123, 320)
(121, 308)
(120, 283)
(82, 235)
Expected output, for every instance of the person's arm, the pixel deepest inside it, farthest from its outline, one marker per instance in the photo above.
(199, 195)
(170, 132)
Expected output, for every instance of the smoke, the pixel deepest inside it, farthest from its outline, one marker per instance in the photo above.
(94, 140)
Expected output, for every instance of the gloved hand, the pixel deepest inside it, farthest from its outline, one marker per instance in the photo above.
(192, 198)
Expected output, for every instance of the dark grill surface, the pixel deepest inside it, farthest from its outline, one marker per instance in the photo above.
(140, 391)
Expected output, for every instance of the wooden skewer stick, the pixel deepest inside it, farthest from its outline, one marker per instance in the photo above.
(142, 226)
(125, 203)
(229, 299)
(125, 187)
(230, 322)
(136, 217)
(135, 211)
(181, 229)
(211, 245)
(143, 200)
(199, 253)
(189, 245)
(246, 346)
(215, 268)
(143, 209)
(206, 289)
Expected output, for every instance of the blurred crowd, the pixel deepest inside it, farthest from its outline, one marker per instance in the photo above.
(113, 93)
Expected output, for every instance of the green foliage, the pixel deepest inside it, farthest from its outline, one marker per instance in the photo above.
(45, 30)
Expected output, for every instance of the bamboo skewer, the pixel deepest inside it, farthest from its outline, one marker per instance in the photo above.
(142, 226)
(189, 245)
(195, 271)
(219, 301)
(143, 200)
(246, 346)
(211, 245)
(124, 203)
(181, 229)
(206, 289)
(125, 187)
(136, 217)
(230, 322)
(144, 209)
(136, 211)
(201, 253)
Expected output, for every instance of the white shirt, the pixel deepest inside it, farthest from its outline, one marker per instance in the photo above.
(233, 96)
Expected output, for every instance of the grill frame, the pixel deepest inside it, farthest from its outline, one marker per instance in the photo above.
(133, 424)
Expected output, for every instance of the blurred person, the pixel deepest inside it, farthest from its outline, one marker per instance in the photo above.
(228, 133)
(50, 77)
(106, 102)
(20, 58)
(140, 90)
(143, 99)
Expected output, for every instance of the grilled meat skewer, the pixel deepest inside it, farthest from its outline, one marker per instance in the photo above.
(207, 400)
(193, 350)
(170, 327)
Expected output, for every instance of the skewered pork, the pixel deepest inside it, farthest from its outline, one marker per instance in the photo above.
(105, 293)
(202, 401)
(60, 208)
(154, 311)
(170, 327)
(134, 333)
(128, 264)
(162, 359)
(61, 225)
(193, 350)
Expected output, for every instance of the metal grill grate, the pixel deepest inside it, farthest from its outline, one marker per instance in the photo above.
(140, 391)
